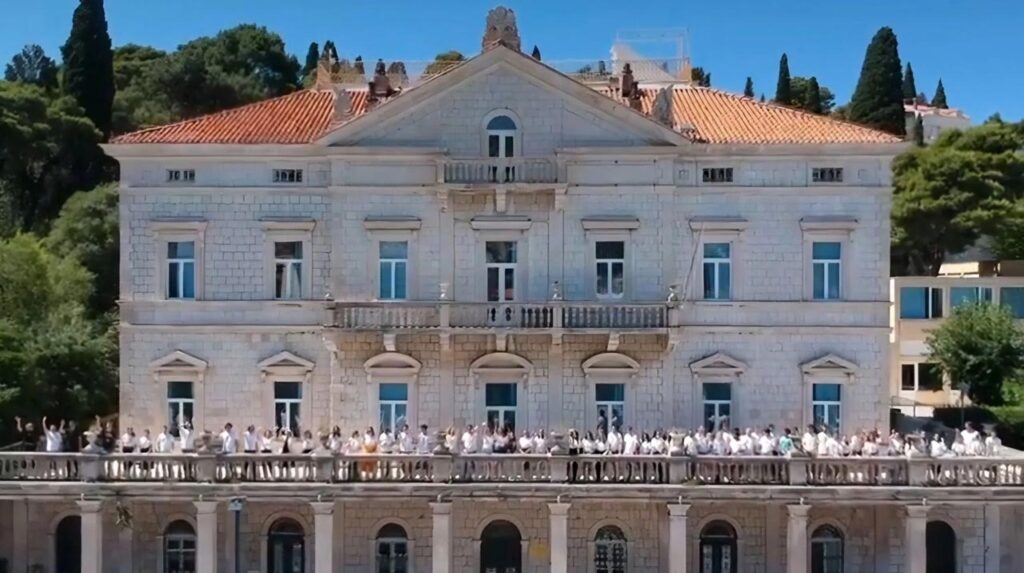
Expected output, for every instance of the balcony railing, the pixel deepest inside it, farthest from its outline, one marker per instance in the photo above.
(530, 316)
(500, 170)
(326, 467)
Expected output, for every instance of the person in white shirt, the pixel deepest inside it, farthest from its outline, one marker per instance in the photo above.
(336, 442)
(487, 441)
(423, 441)
(540, 443)
(600, 442)
(630, 443)
(451, 443)
(993, 444)
(959, 448)
(249, 440)
(808, 443)
(387, 441)
(659, 446)
(822, 439)
(405, 443)
(937, 447)
(765, 445)
(227, 440)
(970, 434)
(188, 437)
(587, 443)
(163, 442)
(145, 443)
(54, 436)
(870, 447)
(469, 441)
(128, 441)
(895, 444)
(614, 441)
(738, 446)
(689, 444)
(525, 443)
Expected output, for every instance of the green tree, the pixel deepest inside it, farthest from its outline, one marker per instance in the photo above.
(329, 51)
(878, 100)
(312, 60)
(50, 151)
(700, 77)
(32, 66)
(444, 61)
(748, 88)
(136, 104)
(980, 346)
(87, 232)
(963, 186)
(89, 64)
(801, 89)
(909, 86)
(536, 53)
(783, 88)
(939, 100)
(396, 72)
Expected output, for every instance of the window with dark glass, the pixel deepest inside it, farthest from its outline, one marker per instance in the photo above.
(500, 403)
(611, 260)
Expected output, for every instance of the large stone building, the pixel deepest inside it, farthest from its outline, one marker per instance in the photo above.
(503, 243)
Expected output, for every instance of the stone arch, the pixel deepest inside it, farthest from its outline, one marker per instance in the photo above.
(713, 517)
(482, 525)
(740, 540)
(626, 529)
(392, 365)
(502, 363)
(295, 516)
(384, 521)
(164, 521)
(813, 526)
(610, 363)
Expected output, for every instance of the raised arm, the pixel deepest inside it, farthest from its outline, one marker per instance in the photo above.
(17, 422)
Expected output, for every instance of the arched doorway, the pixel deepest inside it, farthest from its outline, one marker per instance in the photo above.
(940, 540)
(286, 547)
(68, 545)
(718, 548)
(501, 548)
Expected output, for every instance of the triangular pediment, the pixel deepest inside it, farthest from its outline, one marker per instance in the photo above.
(285, 360)
(718, 363)
(519, 79)
(829, 364)
(180, 364)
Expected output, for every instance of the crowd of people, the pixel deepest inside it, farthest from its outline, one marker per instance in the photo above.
(815, 441)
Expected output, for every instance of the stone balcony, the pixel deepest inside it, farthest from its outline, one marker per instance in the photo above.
(494, 469)
(489, 171)
(526, 317)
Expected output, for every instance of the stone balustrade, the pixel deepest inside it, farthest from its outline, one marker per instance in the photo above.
(555, 315)
(500, 170)
(325, 467)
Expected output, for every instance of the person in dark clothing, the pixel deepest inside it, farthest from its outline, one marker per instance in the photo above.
(27, 435)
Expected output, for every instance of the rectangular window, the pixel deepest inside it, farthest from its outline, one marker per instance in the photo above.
(181, 175)
(611, 405)
(717, 271)
(827, 174)
(394, 266)
(920, 302)
(611, 261)
(287, 176)
(181, 269)
(394, 406)
(288, 269)
(500, 402)
(501, 271)
(1013, 298)
(925, 376)
(826, 403)
(287, 405)
(969, 295)
(826, 265)
(717, 174)
(180, 404)
(717, 404)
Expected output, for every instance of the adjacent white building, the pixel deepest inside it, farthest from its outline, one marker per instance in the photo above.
(502, 244)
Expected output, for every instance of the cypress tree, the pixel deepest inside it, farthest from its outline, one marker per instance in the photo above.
(909, 87)
(939, 100)
(762, 98)
(783, 91)
(919, 132)
(812, 99)
(748, 88)
(312, 57)
(330, 51)
(358, 64)
(878, 100)
(89, 64)
(536, 53)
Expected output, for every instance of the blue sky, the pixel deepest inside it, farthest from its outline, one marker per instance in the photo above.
(974, 45)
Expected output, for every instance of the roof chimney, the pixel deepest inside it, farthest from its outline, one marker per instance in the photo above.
(501, 29)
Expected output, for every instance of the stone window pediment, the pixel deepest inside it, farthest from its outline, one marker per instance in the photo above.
(286, 364)
(610, 364)
(178, 364)
(718, 364)
(392, 365)
(829, 365)
(501, 364)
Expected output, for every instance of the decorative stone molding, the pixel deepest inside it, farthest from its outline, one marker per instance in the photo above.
(610, 222)
(504, 223)
(286, 364)
(178, 364)
(828, 223)
(829, 365)
(734, 224)
(718, 364)
(501, 364)
(392, 365)
(610, 364)
(385, 223)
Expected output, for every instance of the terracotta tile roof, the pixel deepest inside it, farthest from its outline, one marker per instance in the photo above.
(704, 114)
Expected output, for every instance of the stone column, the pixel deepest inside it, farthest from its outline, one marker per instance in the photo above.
(92, 535)
(916, 545)
(677, 537)
(559, 514)
(796, 539)
(993, 539)
(442, 540)
(323, 528)
(206, 536)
